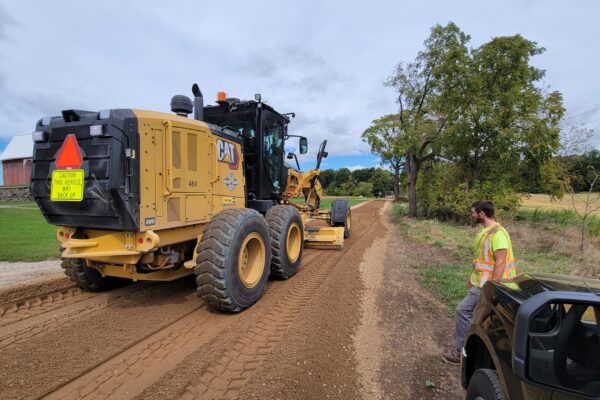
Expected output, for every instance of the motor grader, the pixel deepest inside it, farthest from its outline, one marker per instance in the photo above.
(145, 195)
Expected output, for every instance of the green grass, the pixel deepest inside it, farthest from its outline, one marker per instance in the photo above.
(447, 279)
(448, 282)
(561, 217)
(24, 233)
(326, 201)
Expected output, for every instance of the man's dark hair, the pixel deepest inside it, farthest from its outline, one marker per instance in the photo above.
(486, 206)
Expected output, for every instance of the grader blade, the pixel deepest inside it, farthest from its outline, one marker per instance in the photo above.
(324, 237)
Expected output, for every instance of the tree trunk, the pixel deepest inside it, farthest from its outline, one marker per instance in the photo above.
(397, 183)
(412, 174)
(582, 245)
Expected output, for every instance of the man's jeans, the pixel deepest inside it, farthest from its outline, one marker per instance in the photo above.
(464, 315)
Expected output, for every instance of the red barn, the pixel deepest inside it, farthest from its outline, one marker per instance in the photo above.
(16, 160)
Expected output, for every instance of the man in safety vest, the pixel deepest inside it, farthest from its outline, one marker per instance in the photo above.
(493, 260)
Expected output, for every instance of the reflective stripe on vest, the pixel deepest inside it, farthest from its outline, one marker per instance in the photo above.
(484, 265)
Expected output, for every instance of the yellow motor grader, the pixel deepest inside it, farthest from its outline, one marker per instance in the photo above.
(144, 195)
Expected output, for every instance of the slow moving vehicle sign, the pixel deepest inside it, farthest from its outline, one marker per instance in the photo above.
(68, 179)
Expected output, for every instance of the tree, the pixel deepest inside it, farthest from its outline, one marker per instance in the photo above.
(420, 85)
(386, 140)
(590, 205)
(364, 189)
(326, 177)
(500, 124)
(382, 182)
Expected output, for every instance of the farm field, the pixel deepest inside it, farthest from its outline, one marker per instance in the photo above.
(24, 233)
(544, 202)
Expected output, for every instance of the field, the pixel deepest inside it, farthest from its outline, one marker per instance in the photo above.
(544, 202)
(24, 233)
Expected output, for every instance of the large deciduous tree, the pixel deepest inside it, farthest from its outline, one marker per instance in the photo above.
(419, 87)
(500, 123)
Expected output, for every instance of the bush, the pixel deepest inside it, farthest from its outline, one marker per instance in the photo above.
(443, 197)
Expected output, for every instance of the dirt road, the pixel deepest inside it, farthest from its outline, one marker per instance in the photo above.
(351, 324)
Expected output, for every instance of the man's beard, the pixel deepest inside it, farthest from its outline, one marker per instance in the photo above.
(477, 220)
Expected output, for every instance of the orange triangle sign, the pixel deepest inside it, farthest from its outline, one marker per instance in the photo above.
(69, 155)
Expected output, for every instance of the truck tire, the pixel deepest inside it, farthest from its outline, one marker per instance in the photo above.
(341, 215)
(287, 240)
(485, 384)
(233, 260)
(87, 278)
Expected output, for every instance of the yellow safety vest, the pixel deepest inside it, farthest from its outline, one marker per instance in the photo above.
(483, 265)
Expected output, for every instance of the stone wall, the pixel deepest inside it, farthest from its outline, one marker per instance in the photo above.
(15, 193)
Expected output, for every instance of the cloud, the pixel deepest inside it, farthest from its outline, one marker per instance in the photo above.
(6, 20)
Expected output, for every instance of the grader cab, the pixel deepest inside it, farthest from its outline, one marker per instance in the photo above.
(144, 195)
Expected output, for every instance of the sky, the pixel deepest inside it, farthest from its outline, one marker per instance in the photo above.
(324, 60)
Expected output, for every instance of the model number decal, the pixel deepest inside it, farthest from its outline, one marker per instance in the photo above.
(227, 152)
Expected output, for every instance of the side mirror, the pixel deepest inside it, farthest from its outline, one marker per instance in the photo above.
(292, 156)
(557, 342)
(303, 145)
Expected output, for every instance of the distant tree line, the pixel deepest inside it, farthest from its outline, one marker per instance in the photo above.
(367, 182)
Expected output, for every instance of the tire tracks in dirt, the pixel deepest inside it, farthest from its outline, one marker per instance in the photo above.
(55, 356)
(229, 371)
(131, 371)
(128, 342)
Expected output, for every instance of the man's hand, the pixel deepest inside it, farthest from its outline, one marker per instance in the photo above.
(469, 284)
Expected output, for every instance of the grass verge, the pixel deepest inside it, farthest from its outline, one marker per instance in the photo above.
(447, 278)
(24, 233)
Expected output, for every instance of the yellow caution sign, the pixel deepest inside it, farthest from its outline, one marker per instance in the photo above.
(67, 185)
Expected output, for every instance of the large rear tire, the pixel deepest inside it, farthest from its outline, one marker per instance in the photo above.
(233, 260)
(89, 279)
(287, 240)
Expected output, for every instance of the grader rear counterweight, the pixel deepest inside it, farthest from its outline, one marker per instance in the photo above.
(144, 195)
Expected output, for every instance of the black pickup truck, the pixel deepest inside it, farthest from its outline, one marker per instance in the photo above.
(536, 337)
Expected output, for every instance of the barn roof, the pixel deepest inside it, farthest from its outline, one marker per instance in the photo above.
(20, 146)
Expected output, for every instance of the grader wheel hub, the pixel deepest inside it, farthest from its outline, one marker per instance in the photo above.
(293, 242)
(251, 261)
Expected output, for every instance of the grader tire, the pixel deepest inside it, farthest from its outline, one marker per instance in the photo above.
(88, 278)
(341, 215)
(287, 240)
(233, 260)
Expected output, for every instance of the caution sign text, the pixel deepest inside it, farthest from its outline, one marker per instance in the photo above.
(67, 185)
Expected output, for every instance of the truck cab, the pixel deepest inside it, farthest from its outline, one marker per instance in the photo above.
(535, 337)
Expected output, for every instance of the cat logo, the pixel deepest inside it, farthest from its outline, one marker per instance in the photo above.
(227, 152)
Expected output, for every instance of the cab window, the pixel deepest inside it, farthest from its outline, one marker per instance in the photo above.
(272, 150)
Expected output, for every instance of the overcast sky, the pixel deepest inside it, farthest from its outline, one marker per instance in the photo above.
(324, 60)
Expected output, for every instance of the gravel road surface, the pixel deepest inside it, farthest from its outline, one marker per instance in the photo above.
(353, 323)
